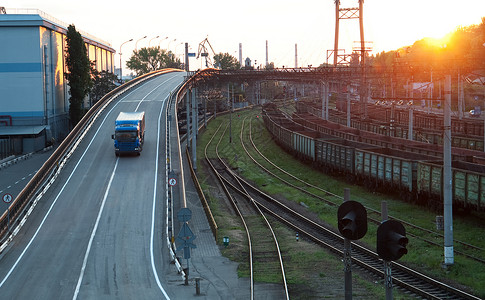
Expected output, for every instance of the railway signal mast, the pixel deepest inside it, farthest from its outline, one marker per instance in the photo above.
(352, 224)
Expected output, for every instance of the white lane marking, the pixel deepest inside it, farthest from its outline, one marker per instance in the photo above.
(145, 98)
(93, 232)
(152, 256)
(57, 197)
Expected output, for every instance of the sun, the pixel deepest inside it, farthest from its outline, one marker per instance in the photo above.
(440, 42)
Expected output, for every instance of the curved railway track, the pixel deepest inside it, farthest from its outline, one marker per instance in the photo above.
(404, 277)
(263, 248)
(374, 215)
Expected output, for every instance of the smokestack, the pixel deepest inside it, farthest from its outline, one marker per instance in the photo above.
(296, 56)
(240, 55)
(267, 63)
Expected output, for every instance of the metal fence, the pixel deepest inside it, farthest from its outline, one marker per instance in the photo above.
(6, 148)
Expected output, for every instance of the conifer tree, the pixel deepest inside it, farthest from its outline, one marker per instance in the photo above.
(78, 73)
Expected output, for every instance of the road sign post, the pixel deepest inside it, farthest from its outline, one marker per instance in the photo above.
(185, 237)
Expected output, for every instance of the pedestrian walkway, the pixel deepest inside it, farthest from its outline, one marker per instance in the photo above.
(216, 274)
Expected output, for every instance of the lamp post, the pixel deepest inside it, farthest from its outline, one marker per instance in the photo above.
(168, 47)
(175, 52)
(152, 40)
(160, 44)
(136, 44)
(121, 67)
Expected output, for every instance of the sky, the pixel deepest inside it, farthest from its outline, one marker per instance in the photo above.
(388, 24)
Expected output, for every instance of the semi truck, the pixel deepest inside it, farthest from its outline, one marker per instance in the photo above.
(129, 132)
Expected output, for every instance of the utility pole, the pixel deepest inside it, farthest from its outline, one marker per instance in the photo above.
(410, 126)
(348, 105)
(447, 176)
(337, 23)
(195, 126)
(230, 112)
(186, 57)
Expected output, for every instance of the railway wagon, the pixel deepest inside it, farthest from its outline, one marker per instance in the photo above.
(468, 184)
(468, 142)
(389, 169)
(281, 134)
(383, 140)
(303, 144)
(338, 155)
(427, 127)
(416, 175)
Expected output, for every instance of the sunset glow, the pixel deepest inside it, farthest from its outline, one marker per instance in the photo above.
(389, 25)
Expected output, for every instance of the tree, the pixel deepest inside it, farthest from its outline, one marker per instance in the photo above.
(226, 61)
(151, 59)
(269, 66)
(78, 73)
(103, 83)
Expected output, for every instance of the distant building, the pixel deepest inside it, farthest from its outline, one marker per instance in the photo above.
(34, 97)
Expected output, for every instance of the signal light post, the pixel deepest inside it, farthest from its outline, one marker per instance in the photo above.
(391, 246)
(352, 224)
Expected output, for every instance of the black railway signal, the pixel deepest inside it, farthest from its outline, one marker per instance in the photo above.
(352, 220)
(391, 240)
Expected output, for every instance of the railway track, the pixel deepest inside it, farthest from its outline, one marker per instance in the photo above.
(430, 237)
(407, 279)
(264, 253)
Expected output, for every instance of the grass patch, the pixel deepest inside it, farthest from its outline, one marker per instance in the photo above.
(467, 228)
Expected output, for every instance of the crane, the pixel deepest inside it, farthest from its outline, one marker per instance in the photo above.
(203, 51)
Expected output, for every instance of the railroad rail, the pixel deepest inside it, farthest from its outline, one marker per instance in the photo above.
(406, 278)
(380, 162)
(334, 200)
(252, 218)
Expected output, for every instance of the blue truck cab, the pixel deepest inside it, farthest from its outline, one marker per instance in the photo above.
(129, 132)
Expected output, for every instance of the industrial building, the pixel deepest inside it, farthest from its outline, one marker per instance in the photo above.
(34, 94)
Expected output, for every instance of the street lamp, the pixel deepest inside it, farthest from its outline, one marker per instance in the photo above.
(160, 44)
(121, 67)
(136, 44)
(168, 47)
(152, 40)
(177, 47)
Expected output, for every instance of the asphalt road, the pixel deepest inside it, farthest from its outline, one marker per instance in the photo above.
(96, 233)
(14, 178)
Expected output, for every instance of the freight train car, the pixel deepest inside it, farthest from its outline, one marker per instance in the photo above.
(466, 134)
(468, 184)
(389, 170)
(417, 176)
(338, 155)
